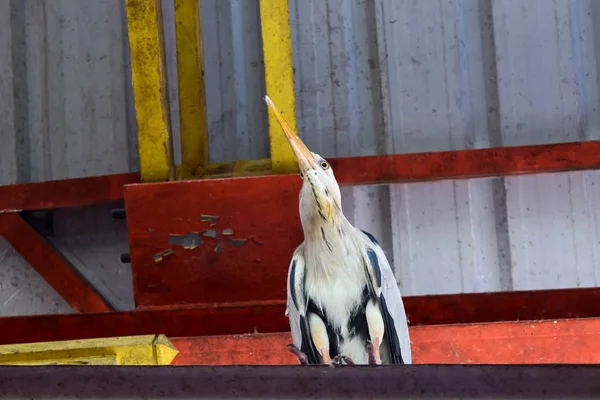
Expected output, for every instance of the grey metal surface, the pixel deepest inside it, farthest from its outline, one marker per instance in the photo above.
(295, 382)
(71, 115)
(371, 77)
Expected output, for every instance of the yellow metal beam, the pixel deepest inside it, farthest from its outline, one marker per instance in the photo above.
(279, 78)
(148, 71)
(129, 350)
(192, 89)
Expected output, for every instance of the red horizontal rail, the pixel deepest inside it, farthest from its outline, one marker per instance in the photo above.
(412, 167)
(463, 164)
(65, 193)
(268, 317)
(522, 342)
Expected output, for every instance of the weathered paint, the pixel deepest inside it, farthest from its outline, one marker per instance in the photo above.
(192, 89)
(51, 265)
(519, 342)
(264, 208)
(128, 350)
(279, 79)
(148, 71)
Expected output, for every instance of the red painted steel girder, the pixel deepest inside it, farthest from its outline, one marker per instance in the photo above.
(267, 209)
(520, 342)
(268, 317)
(65, 193)
(412, 167)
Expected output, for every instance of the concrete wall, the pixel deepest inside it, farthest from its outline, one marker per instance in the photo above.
(372, 77)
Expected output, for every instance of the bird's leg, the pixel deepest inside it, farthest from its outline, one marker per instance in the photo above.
(371, 353)
(302, 359)
(318, 332)
(376, 329)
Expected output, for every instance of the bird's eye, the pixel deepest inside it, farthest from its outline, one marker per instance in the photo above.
(324, 164)
(301, 175)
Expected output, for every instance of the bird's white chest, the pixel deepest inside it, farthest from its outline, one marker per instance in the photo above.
(339, 291)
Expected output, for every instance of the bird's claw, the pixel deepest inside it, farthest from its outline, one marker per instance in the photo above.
(335, 362)
(302, 359)
(348, 360)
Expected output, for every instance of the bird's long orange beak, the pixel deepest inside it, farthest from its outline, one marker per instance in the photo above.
(304, 157)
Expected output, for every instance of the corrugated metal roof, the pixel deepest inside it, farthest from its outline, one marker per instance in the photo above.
(371, 77)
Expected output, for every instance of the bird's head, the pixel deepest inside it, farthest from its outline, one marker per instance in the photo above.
(320, 197)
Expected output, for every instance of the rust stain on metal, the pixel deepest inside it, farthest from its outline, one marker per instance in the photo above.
(212, 233)
(159, 257)
(187, 241)
(207, 218)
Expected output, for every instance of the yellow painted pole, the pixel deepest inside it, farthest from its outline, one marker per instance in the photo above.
(148, 71)
(192, 89)
(279, 78)
(129, 350)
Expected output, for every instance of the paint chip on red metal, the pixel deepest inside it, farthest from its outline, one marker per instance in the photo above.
(207, 218)
(255, 240)
(236, 242)
(227, 231)
(219, 247)
(211, 233)
(187, 241)
(159, 257)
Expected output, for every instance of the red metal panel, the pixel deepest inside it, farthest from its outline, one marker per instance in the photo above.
(522, 342)
(265, 208)
(54, 268)
(463, 164)
(65, 193)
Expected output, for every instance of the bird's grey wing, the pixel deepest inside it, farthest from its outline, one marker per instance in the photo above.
(296, 306)
(390, 299)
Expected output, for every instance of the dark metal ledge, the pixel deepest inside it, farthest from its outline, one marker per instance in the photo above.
(295, 382)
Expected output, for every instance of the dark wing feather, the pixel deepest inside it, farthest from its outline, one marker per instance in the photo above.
(296, 307)
(387, 291)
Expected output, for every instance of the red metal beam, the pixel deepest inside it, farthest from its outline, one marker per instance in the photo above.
(267, 208)
(65, 193)
(48, 262)
(464, 164)
(222, 320)
(412, 167)
(268, 317)
(522, 342)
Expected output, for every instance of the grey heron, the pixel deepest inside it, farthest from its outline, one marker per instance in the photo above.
(343, 301)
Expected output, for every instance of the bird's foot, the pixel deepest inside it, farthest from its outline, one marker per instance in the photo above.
(335, 362)
(348, 360)
(302, 359)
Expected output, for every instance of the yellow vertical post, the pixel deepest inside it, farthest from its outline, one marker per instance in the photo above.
(192, 89)
(148, 72)
(279, 78)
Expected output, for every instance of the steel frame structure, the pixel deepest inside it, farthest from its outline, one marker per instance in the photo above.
(433, 318)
